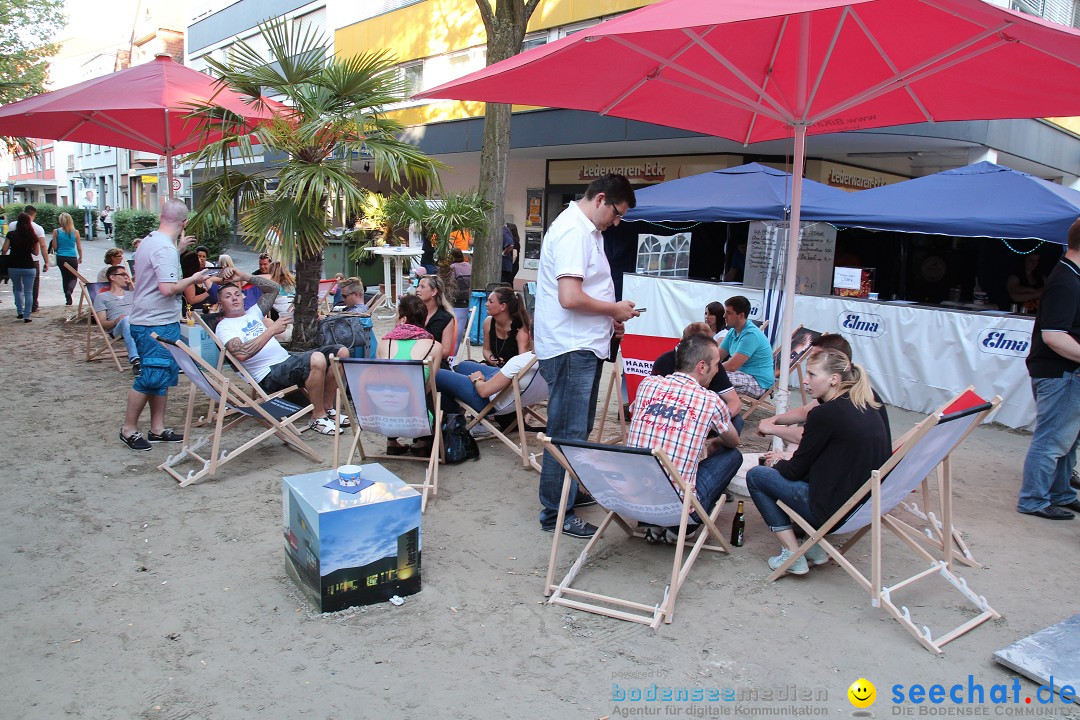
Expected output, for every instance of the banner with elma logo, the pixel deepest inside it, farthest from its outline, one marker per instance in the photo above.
(918, 358)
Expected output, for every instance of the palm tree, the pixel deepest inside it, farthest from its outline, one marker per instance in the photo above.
(335, 109)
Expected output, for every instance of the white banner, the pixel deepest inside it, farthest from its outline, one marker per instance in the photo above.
(918, 357)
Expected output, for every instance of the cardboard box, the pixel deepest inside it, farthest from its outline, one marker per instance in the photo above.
(346, 549)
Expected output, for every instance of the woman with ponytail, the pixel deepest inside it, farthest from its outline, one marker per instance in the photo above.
(843, 441)
(507, 328)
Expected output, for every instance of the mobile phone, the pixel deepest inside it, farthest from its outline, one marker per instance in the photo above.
(641, 309)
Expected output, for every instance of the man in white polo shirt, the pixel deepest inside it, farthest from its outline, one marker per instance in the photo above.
(576, 315)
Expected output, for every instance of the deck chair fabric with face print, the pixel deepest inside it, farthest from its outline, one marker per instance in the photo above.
(273, 413)
(390, 398)
(99, 342)
(526, 392)
(927, 447)
(631, 485)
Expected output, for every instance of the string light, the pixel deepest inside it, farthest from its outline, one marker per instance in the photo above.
(668, 227)
(1021, 252)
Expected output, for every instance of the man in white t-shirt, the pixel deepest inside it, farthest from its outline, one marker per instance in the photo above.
(576, 315)
(42, 261)
(249, 336)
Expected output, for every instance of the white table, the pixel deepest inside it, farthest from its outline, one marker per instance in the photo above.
(398, 255)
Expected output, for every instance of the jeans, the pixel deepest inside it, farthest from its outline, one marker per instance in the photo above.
(22, 286)
(456, 385)
(714, 473)
(122, 329)
(767, 485)
(573, 381)
(67, 279)
(1052, 454)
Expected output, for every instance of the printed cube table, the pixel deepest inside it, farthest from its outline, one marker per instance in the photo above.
(346, 549)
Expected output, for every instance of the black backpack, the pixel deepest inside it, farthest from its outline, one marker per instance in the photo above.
(345, 329)
(460, 444)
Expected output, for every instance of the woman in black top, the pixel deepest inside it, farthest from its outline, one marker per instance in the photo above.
(196, 296)
(507, 328)
(440, 314)
(843, 441)
(22, 243)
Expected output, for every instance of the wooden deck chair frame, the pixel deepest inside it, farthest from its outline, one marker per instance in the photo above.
(463, 336)
(753, 403)
(437, 455)
(325, 299)
(881, 595)
(99, 342)
(934, 534)
(614, 390)
(83, 297)
(521, 413)
(562, 593)
(205, 379)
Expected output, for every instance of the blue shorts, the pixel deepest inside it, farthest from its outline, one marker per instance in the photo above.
(159, 371)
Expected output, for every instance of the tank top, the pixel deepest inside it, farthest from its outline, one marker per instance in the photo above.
(504, 348)
(65, 244)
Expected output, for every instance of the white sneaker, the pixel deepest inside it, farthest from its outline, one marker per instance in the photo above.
(323, 426)
(799, 567)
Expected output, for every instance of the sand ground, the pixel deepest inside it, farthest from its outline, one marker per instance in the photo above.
(127, 596)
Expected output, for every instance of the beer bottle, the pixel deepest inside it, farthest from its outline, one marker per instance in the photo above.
(738, 523)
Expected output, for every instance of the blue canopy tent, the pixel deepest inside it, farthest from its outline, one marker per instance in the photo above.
(738, 194)
(980, 200)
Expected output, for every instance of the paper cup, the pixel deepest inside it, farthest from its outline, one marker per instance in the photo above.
(349, 475)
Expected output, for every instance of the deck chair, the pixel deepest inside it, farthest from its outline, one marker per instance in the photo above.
(614, 390)
(524, 399)
(868, 509)
(83, 299)
(365, 377)
(795, 366)
(99, 343)
(631, 484)
(275, 414)
(326, 294)
(934, 533)
(462, 348)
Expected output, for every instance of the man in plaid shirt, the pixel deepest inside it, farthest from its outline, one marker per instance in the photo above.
(677, 413)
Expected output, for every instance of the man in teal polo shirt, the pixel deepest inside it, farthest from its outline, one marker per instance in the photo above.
(745, 352)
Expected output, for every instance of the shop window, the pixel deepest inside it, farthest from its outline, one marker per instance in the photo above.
(413, 76)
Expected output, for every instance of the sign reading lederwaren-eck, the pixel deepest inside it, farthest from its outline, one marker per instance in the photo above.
(638, 170)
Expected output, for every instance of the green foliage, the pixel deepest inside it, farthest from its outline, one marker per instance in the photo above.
(453, 212)
(336, 110)
(47, 214)
(131, 224)
(214, 233)
(29, 26)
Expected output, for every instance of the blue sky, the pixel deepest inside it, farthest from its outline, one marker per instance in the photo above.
(353, 538)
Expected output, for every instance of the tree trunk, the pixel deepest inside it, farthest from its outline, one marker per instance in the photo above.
(487, 255)
(306, 304)
(505, 25)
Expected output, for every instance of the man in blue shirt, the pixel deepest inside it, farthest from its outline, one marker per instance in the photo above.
(745, 352)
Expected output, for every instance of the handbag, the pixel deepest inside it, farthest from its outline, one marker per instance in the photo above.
(459, 443)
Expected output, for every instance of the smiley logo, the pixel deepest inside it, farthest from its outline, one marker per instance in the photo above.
(862, 693)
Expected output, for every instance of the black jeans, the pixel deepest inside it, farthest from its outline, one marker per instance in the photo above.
(67, 278)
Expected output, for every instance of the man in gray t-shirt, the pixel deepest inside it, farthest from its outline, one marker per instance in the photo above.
(113, 305)
(157, 309)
